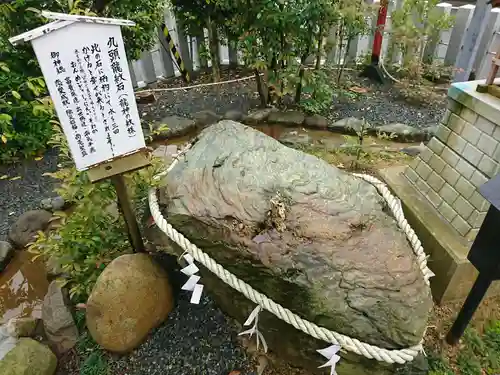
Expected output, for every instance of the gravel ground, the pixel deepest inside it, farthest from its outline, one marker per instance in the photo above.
(384, 104)
(381, 104)
(196, 339)
(24, 194)
(221, 98)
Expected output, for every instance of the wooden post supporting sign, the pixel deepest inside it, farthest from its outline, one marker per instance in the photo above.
(85, 68)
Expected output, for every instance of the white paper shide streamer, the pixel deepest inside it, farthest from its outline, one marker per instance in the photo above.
(192, 284)
(330, 353)
(254, 318)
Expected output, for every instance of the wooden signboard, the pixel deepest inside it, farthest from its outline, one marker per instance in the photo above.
(85, 68)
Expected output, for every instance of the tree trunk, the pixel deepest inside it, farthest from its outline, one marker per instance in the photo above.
(270, 88)
(320, 45)
(261, 89)
(298, 91)
(341, 39)
(213, 41)
(98, 6)
(344, 63)
(202, 47)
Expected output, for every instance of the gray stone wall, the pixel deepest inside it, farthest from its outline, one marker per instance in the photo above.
(463, 155)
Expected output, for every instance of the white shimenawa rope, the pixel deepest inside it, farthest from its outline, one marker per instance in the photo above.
(348, 343)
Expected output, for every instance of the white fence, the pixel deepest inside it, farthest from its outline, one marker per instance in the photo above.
(158, 64)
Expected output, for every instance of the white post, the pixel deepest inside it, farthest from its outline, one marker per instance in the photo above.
(462, 19)
(493, 47)
(332, 44)
(133, 78)
(148, 67)
(360, 44)
(233, 54)
(223, 53)
(438, 44)
(470, 41)
(489, 33)
(387, 40)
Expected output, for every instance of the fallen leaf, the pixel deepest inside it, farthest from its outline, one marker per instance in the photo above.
(15, 178)
(235, 372)
(4, 177)
(38, 158)
(359, 90)
(11, 213)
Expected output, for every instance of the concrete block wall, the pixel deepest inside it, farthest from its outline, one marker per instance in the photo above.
(463, 155)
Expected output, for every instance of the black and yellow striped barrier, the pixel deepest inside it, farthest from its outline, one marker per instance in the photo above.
(175, 53)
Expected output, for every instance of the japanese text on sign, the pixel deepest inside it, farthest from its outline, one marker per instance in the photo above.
(87, 74)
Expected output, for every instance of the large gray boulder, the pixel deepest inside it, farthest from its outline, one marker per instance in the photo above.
(311, 237)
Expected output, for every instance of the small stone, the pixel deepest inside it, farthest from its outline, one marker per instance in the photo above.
(52, 204)
(413, 150)
(160, 151)
(145, 97)
(27, 225)
(6, 254)
(205, 118)
(348, 125)
(165, 152)
(293, 118)
(172, 126)
(58, 203)
(295, 140)
(131, 296)
(430, 131)
(58, 321)
(46, 204)
(402, 132)
(316, 122)
(233, 115)
(258, 116)
(28, 357)
(21, 327)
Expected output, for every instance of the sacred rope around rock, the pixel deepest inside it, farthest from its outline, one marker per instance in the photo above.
(400, 356)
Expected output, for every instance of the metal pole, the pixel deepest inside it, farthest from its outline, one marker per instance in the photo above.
(469, 307)
(134, 234)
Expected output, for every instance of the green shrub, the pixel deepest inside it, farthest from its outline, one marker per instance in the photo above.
(85, 240)
(25, 115)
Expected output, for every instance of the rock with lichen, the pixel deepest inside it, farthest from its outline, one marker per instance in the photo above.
(313, 238)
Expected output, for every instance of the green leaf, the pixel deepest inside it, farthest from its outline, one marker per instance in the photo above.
(5, 117)
(33, 88)
(15, 94)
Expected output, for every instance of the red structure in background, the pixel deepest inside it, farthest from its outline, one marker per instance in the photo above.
(373, 70)
(379, 32)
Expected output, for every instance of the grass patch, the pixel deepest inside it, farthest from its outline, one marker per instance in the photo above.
(92, 358)
(373, 154)
(95, 364)
(477, 354)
